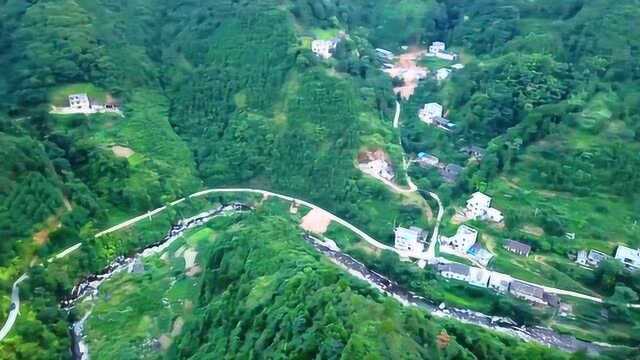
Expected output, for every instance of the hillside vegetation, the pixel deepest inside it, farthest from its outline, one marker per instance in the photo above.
(222, 93)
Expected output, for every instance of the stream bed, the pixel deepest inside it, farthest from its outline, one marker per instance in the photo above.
(88, 288)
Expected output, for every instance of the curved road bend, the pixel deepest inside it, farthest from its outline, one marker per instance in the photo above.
(429, 255)
(333, 217)
(13, 314)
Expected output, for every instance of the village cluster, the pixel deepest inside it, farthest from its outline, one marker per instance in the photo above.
(413, 242)
(83, 104)
(629, 257)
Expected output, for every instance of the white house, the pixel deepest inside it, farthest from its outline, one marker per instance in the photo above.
(410, 240)
(454, 271)
(429, 112)
(592, 258)
(479, 277)
(479, 207)
(378, 168)
(628, 256)
(80, 102)
(462, 241)
(324, 48)
(442, 74)
(499, 282)
(437, 47)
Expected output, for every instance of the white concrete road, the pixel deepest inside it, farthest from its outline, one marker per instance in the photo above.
(333, 217)
(396, 118)
(65, 252)
(15, 311)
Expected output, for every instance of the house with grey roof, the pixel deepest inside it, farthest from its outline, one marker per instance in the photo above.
(451, 172)
(517, 247)
(454, 271)
(527, 292)
(552, 300)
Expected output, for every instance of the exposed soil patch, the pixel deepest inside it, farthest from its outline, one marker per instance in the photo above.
(122, 151)
(371, 155)
(41, 236)
(194, 270)
(316, 221)
(177, 326)
(165, 342)
(406, 68)
(533, 230)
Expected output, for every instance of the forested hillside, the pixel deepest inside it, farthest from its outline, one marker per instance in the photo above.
(255, 301)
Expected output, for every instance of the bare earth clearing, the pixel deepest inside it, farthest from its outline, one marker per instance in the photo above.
(406, 68)
(121, 151)
(316, 221)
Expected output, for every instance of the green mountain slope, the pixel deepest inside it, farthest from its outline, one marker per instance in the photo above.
(221, 93)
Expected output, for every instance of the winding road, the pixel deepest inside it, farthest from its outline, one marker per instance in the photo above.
(15, 311)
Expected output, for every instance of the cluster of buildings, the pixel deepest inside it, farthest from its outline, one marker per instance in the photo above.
(438, 49)
(464, 244)
(431, 113)
(498, 282)
(448, 172)
(629, 257)
(411, 240)
(82, 104)
(479, 208)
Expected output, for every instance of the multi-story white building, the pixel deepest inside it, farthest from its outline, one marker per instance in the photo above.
(479, 207)
(436, 47)
(324, 48)
(499, 282)
(410, 240)
(462, 241)
(479, 276)
(429, 112)
(80, 103)
(628, 256)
